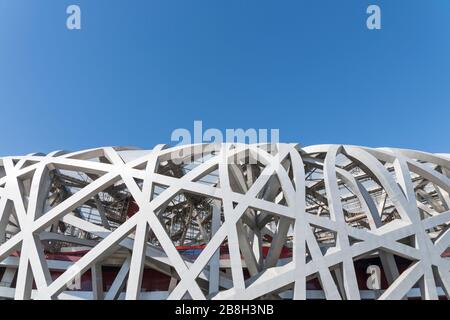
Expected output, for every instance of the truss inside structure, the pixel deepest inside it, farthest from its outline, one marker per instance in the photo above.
(226, 221)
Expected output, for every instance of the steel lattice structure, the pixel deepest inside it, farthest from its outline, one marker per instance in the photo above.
(225, 221)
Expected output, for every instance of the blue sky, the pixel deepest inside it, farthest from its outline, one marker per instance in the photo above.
(139, 69)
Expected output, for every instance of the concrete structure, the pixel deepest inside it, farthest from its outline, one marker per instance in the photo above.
(226, 221)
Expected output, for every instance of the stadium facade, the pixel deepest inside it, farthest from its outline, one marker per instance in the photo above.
(226, 221)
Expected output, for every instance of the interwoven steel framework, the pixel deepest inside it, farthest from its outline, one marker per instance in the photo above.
(285, 216)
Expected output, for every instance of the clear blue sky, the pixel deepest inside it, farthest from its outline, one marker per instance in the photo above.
(139, 69)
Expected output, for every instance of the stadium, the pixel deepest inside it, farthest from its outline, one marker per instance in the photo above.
(226, 221)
